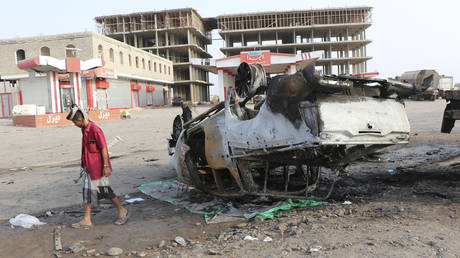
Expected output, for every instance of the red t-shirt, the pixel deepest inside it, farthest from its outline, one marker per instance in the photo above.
(93, 141)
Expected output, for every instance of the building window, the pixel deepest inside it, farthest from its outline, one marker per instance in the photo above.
(129, 60)
(164, 68)
(45, 51)
(155, 67)
(150, 65)
(100, 52)
(70, 51)
(137, 62)
(111, 55)
(169, 70)
(160, 67)
(121, 57)
(143, 63)
(20, 55)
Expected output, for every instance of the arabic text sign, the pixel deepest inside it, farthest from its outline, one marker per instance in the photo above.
(103, 115)
(53, 118)
(256, 57)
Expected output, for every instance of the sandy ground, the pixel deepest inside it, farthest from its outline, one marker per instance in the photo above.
(414, 212)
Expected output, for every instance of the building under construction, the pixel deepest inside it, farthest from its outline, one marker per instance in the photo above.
(177, 35)
(339, 32)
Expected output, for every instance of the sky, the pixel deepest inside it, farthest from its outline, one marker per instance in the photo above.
(406, 35)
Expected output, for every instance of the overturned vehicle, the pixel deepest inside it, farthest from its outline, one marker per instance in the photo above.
(307, 121)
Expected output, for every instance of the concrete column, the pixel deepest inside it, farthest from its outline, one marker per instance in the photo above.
(276, 37)
(347, 67)
(190, 71)
(135, 40)
(192, 92)
(166, 38)
(141, 42)
(259, 40)
(311, 36)
(156, 34)
(124, 30)
(227, 40)
(242, 40)
(188, 37)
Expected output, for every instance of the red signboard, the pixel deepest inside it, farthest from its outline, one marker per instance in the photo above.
(72, 65)
(100, 72)
(256, 57)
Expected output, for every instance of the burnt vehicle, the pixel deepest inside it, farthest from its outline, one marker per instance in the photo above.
(306, 122)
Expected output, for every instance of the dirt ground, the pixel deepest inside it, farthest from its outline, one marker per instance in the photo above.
(412, 211)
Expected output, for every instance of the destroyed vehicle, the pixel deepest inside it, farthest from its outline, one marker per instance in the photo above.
(306, 122)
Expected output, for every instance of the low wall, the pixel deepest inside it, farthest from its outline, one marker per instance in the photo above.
(60, 118)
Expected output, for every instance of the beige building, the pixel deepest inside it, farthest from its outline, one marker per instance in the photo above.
(118, 56)
(128, 77)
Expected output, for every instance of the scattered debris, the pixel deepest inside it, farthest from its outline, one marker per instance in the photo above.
(213, 252)
(150, 160)
(91, 251)
(57, 239)
(48, 213)
(390, 171)
(25, 221)
(125, 114)
(133, 200)
(315, 248)
(77, 247)
(347, 203)
(268, 239)
(250, 238)
(180, 240)
(161, 244)
(114, 251)
(141, 254)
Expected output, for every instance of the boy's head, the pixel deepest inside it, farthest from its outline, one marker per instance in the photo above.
(76, 116)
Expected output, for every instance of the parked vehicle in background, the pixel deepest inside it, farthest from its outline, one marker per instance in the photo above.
(446, 83)
(423, 77)
(177, 101)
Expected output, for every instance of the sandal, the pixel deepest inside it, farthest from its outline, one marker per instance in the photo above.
(79, 225)
(121, 219)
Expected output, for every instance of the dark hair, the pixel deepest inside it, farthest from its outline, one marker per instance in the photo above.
(77, 115)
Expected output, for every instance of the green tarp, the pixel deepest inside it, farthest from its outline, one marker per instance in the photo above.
(215, 209)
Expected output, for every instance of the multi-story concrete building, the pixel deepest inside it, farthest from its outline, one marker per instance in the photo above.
(128, 77)
(177, 35)
(339, 32)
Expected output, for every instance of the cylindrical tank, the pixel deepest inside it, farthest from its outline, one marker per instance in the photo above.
(428, 79)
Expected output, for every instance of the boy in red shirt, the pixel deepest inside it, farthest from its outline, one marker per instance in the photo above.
(96, 168)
